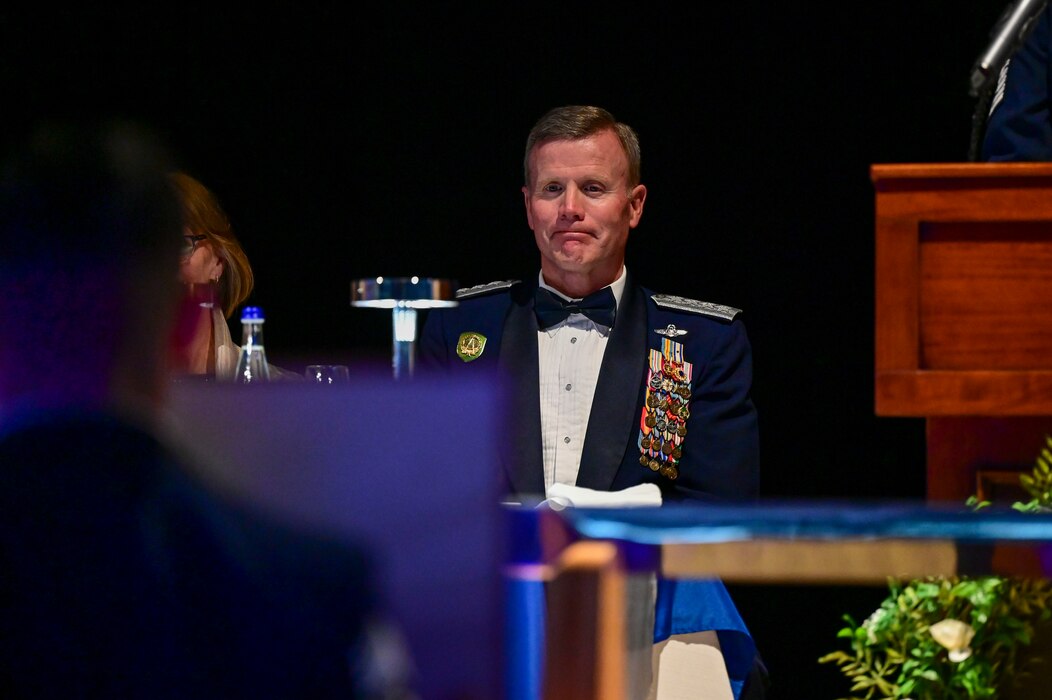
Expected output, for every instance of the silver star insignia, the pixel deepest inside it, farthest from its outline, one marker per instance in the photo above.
(670, 331)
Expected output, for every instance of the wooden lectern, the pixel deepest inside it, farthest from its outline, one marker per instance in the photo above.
(964, 315)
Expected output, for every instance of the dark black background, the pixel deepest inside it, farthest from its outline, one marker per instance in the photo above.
(350, 142)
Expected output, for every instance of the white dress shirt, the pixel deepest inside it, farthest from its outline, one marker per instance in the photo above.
(569, 355)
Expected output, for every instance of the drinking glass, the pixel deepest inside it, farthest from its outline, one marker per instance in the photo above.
(327, 374)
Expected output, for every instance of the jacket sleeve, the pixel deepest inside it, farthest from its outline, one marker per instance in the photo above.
(1019, 127)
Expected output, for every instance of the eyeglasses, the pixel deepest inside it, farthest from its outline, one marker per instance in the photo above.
(190, 245)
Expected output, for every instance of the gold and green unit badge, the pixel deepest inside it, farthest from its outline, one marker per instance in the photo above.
(663, 423)
(470, 346)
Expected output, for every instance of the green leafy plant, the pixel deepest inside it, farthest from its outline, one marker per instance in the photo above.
(1038, 483)
(894, 653)
(945, 638)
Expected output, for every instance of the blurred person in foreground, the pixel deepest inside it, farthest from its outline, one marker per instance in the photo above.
(614, 388)
(217, 279)
(122, 575)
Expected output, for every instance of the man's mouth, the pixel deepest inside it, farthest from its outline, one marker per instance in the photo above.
(571, 233)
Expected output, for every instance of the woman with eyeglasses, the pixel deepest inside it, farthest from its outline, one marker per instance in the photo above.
(218, 277)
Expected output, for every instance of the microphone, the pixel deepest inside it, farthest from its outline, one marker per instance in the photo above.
(1009, 33)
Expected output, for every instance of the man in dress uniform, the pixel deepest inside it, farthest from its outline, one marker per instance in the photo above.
(615, 385)
(612, 384)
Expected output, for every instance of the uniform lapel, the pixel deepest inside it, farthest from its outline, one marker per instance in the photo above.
(615, 409)
(523, 457)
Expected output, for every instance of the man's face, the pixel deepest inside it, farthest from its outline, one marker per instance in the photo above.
(580, 210)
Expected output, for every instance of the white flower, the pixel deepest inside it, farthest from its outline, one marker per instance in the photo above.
(872, 621)
(955, 636)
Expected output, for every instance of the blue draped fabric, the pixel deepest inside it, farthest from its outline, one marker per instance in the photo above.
(685, 606)
(524, 639)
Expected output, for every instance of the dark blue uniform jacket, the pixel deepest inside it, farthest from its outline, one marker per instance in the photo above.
(720, 452)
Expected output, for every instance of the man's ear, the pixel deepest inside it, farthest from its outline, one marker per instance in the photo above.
(636, 198)
(526, 202)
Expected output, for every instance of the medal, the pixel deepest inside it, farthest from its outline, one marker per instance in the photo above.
(662, 423)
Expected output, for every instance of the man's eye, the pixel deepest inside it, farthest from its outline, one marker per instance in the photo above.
(594, 188)
(552, 187)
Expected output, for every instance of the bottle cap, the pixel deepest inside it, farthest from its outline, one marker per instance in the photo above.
(252, 313)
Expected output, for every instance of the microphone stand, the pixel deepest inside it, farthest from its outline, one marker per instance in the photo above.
(979, 119)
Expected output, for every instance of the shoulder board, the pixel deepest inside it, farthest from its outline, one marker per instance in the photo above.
(694, 306)
(480, 289)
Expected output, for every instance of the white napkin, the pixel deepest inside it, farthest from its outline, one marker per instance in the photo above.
(566, 496)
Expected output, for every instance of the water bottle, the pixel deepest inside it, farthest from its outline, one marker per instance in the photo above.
(252, 362)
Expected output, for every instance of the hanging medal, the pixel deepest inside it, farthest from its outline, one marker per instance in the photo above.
(666, 408)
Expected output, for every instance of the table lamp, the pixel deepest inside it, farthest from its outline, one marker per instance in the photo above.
(403, 296)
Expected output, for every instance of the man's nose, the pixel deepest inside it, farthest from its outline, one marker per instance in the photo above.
(570, 205)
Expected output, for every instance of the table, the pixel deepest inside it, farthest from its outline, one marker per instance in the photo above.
(593, 553)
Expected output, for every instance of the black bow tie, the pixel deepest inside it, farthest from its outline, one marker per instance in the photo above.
(551, 309)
